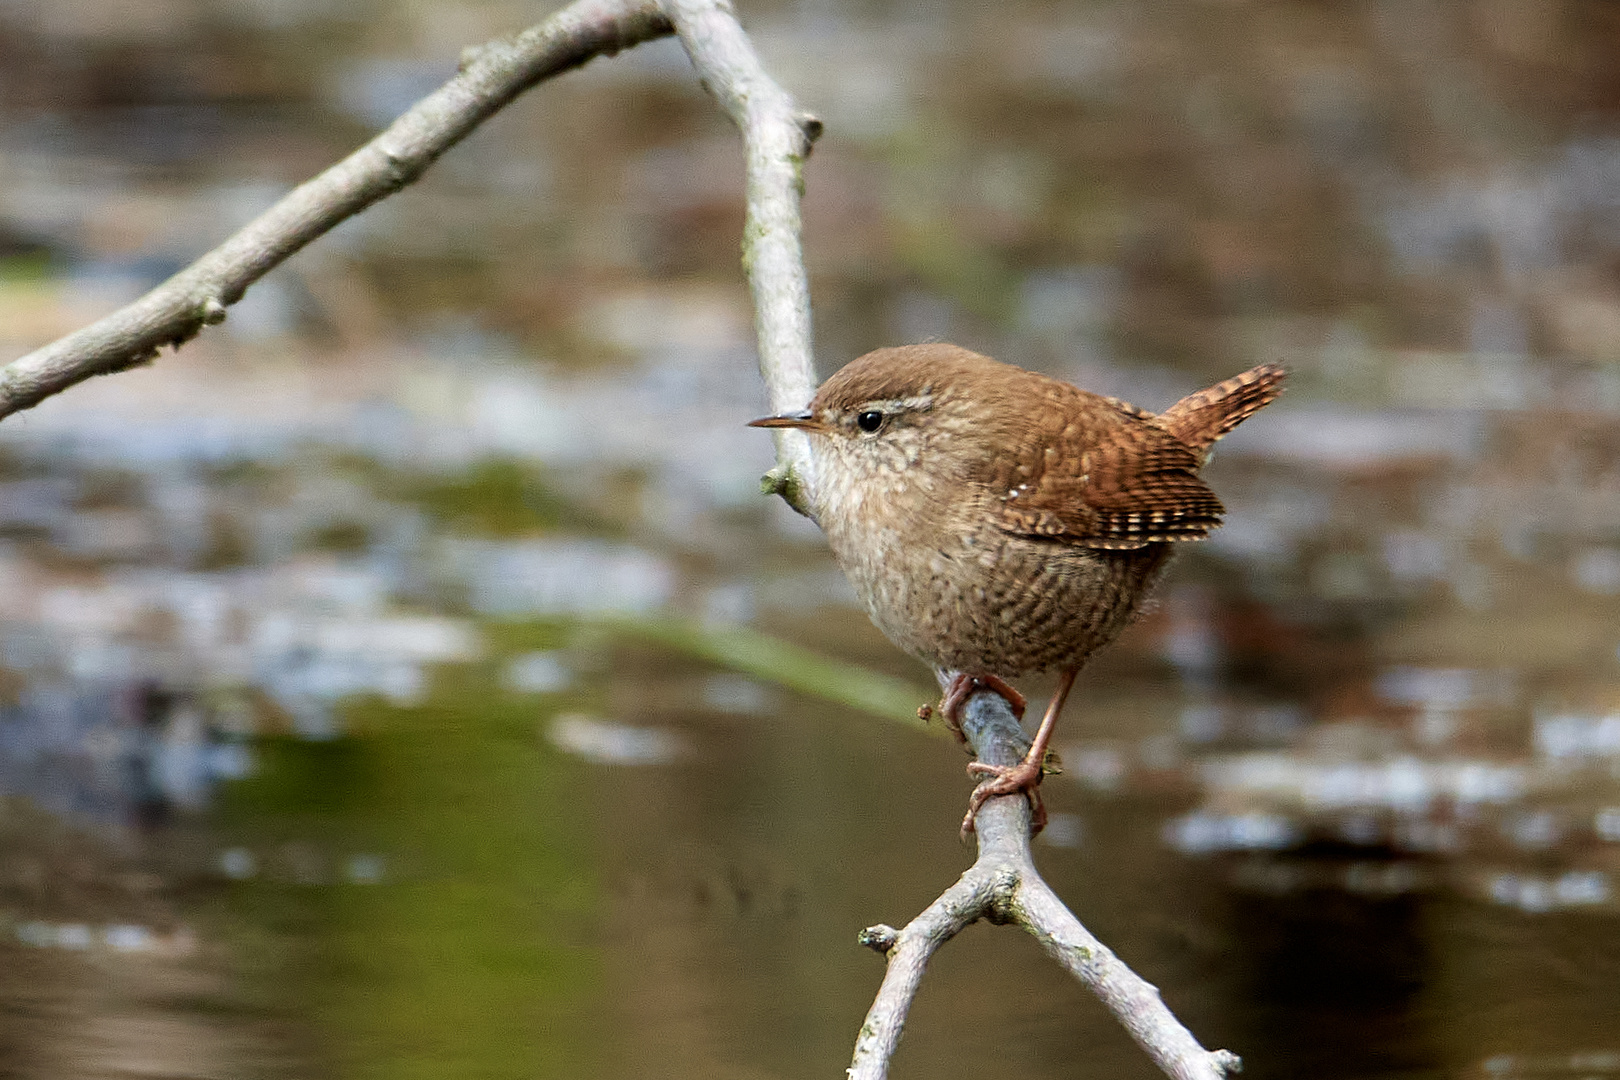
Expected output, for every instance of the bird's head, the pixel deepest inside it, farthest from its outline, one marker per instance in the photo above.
(888, 409)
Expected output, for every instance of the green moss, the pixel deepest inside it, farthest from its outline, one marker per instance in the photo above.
(753, 233)
(784, 481)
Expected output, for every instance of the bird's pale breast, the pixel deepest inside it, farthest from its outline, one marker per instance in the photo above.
(983, 600)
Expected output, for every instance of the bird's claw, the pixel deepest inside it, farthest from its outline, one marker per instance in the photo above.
(1024, 777)
(964, 686)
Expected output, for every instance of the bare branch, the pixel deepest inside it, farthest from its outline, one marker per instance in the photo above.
(1004, 886)
(909, 951)
(777, 136)
(1133, 1000)
(490, 77)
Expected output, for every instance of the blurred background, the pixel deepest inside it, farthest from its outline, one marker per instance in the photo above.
(407, 679)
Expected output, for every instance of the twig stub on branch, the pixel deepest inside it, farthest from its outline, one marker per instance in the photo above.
(880, 938)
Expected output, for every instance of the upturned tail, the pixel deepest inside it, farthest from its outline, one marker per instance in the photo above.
(1200, 419)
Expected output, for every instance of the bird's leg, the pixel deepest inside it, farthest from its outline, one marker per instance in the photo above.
(963, 686)
(1026, 775)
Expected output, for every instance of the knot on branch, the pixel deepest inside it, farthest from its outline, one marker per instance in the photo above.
(650, 22)
(881, 938)
(400, 169)
(1226, 1062)
(139, 358)
(1001, 899)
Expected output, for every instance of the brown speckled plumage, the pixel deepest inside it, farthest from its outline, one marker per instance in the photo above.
(1002, 521)
(997, 522)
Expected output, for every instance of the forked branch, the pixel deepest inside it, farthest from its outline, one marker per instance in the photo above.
(1003, 886)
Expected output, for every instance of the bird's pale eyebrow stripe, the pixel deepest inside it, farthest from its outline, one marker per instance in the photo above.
(905, 404)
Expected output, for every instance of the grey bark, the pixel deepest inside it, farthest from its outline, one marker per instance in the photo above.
(1003, 886)
(777, 136)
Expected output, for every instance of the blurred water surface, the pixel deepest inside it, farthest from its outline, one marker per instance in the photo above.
(407, 679)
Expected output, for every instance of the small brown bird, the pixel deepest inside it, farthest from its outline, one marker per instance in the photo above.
(997, 522)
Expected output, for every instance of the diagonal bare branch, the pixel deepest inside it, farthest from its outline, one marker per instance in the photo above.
(909, 951)
(174, 312)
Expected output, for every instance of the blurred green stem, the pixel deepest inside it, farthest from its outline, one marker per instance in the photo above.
(747, 650)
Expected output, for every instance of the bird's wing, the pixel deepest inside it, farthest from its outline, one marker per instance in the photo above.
(1100, 474)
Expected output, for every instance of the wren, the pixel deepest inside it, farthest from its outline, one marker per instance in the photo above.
(996, 522)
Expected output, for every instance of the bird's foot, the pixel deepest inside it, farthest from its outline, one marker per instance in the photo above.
(964, 686)
(1023, 777)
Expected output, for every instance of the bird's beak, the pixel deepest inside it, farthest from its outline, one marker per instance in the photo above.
(804, 421)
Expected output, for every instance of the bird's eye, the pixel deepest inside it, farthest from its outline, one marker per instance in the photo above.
(869, 421)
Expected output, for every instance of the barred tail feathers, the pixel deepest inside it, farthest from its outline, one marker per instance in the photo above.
(1198, 420)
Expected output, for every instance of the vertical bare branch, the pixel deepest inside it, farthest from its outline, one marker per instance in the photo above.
(777, 136)
(1003, 884)
(174, 312)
